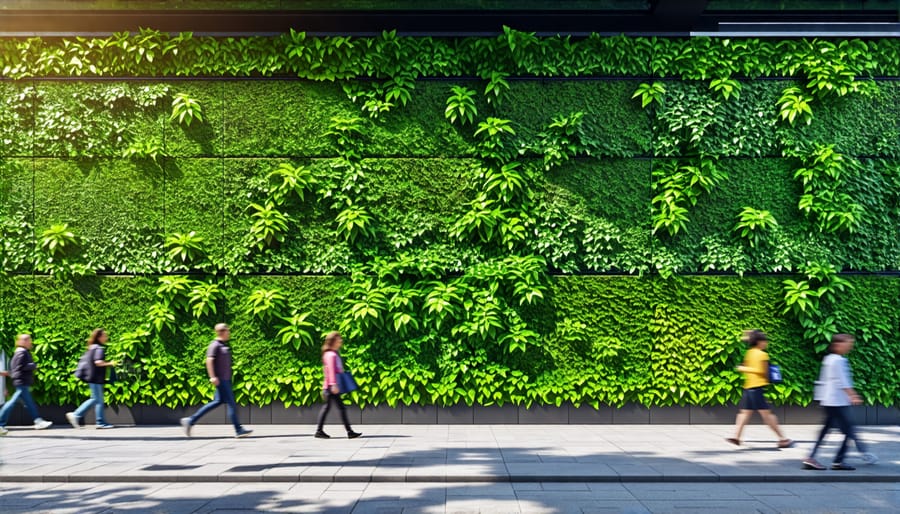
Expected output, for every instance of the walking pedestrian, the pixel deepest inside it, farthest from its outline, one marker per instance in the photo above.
(218, 367)
(835, 392)
(333, 366)
(96, 379)
(21, 369)
(756, 377)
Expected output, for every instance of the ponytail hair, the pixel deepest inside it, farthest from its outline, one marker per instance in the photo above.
(330, 339)
(754, 337)
(95, 337)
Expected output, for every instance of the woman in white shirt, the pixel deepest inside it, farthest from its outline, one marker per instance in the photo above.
(834, 391)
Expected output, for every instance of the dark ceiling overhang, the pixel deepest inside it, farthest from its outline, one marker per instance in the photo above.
(664, 17)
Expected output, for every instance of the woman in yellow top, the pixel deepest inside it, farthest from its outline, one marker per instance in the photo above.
(756, 377)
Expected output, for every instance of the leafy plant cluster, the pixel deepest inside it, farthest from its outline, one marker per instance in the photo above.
(75, 120)
(677, 187)
(828, 65)
(824, 198)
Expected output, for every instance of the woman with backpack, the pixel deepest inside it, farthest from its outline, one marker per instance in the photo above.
(96, 378)
(331, 392)
(756, 377)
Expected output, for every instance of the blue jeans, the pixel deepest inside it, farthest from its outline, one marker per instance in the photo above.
(225, 395)
(22, 393)
(96, 400)
(842, 419)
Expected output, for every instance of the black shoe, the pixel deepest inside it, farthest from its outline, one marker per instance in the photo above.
(840, 466)
(353, 435)
(322, 435)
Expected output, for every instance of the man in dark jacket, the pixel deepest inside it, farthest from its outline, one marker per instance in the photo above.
(21, 369)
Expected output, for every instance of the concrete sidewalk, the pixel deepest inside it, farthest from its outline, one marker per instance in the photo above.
(431, 453)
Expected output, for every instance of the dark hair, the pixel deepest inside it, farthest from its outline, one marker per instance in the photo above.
(754, 337)
(328, 345)
(95, 336)
(840, 338)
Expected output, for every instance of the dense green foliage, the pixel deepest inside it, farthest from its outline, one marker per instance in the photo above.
(453, 228)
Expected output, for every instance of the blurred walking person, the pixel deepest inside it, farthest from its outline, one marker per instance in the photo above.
(96, 380)
(333, 366)
(835, 392)
(756, 377)
(21, 369)
(218, 367)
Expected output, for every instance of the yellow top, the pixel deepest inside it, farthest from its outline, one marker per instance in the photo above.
(755, 368)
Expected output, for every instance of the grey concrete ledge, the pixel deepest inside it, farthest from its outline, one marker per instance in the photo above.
(629, 414)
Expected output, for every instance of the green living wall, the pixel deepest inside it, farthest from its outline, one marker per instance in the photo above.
(488, 220)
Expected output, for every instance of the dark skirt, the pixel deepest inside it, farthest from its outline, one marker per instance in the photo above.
(754, 399)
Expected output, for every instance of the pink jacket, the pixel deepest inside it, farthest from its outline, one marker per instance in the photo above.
(331, 361)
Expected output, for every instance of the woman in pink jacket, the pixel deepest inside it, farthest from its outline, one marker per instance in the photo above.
(332, 364)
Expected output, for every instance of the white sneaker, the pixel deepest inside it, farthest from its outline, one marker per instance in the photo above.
(73, 420)
(41, 424)
(869, 458)
(186, 425)
(105, 426)
(3, 431)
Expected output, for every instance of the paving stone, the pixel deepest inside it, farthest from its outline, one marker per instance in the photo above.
(423, 453)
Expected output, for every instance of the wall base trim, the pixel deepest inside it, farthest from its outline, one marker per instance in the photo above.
(468, 415)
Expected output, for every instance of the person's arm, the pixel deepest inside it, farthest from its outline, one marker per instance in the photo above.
(760, 370)
(329, 361)
(102, 362)
(211, 370)
(846, 383)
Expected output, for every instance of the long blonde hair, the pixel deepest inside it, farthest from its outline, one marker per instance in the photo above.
(330, 339)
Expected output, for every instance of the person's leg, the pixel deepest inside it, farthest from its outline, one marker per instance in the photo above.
(97, 395)
(226, 393)
(772, 420)
(343, 410)
(740, 422)
(323, 413)
(826, 427)
(87, 404)
(216, 401)
(7, 408)
(29, 402)
(844, 424)
(850, 430)
(854, 434)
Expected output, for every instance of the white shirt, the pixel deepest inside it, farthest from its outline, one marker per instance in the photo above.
(834, 378)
